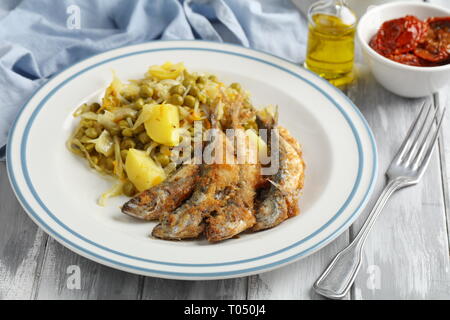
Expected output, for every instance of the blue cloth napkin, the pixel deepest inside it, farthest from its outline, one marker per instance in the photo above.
(39, 38)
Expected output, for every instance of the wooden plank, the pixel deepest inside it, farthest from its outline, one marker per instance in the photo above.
(295, 280)
(66, 275)
(407, 254)
(444, 140)
(444, 149)
(156, 289)
(409, 261)
(22, 245)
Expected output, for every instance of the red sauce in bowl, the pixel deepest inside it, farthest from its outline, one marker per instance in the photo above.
(414, 42)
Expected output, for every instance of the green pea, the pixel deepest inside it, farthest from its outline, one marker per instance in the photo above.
(194, 91)
(87, 123)
(114, 130)
(177, 90)
(85, 139)
(139, 104)
(91, 133)
(128, 189)
(143, 137)
(95, 106)
(130, 96)
(146, 91)
(163, 159)
(127, 132)
(213, 78)
(79, 133)
(156, 93)
(127, 144)
(109, 164)
(90, 147)
(98, 127)
(236, 86)
(189, 101)
(176, 99)
(202, 79)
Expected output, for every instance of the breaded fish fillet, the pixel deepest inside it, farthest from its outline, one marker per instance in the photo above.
(280, 201)
(165, 197)
(235, 214)
(214, 186)
(284, 133)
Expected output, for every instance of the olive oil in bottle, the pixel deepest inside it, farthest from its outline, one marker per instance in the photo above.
(331, 46)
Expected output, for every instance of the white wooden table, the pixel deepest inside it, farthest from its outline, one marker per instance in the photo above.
(406, 256)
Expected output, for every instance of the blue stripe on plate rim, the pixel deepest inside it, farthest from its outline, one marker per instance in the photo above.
(183, 274)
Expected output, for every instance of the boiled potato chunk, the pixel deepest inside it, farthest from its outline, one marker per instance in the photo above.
(162, 124)
(166, 71)
(254, 139)
(142, 171)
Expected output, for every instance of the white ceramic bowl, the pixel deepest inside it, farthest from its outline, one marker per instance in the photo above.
(404, 80)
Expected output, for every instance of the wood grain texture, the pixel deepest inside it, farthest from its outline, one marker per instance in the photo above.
(22, 245)
(444, 140)
(157, 289)
(444, 148)
(406, 255)
(295, 280)
(96, 281)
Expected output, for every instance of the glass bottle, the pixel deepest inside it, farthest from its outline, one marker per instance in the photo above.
(331, 41)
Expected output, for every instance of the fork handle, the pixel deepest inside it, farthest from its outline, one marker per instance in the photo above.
(337, 279)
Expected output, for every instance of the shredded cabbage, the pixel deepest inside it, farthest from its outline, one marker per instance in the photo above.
(104, 143)
(107, 120)
(118, 163)
(115, 190)
(144, 116)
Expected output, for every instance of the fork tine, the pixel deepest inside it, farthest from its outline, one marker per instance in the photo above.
(419, 140)
(415, 163)
(406, 144)
(426, 158)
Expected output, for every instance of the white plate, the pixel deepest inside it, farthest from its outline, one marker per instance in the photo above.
(59, 192)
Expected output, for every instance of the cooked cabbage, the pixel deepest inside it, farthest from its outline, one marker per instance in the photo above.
(104, 144)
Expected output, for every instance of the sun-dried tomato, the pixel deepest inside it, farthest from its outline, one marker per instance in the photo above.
(407, 58)
(435, 47)
(437, 23)
(399, 35)
(411, 41)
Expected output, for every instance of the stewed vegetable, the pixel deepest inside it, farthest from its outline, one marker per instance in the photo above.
(130, 134)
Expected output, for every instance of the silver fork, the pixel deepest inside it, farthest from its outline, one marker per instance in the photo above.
(406, 169)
